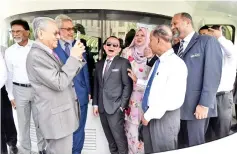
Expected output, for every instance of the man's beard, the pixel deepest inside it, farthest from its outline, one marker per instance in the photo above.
(176, 34)
(18, 40)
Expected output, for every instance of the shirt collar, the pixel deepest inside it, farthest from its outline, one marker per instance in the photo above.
(188, 38)
(44, 46)
(29, 44)
(110, 58)
(166, 54)
(62, 42)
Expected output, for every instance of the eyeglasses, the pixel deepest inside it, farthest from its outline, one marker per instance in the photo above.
(69, 29)
(110, 44)
(16, 32)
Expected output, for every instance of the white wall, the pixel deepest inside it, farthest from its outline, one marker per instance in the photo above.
(201, 15)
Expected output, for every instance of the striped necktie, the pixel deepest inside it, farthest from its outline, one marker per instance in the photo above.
(67, 50)
(107, 66)
(181, 49)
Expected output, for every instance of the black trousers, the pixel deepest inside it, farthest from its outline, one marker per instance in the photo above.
(113, 126)
(236, 111)
(8, 131)
(219, 127)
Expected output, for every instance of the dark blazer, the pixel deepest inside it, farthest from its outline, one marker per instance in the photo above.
(81, 81)
(203, 57)
(115, 89)
(152, 61)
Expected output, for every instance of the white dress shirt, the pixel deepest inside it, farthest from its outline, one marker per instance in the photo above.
(106, 64)
(228, 65)
(187, 39)
(168, 89)
(3, 71)
(15, 57)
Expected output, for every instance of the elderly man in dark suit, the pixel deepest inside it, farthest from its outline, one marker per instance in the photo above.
(112, 91)
(203, 57)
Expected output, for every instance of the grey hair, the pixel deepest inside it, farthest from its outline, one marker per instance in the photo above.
(60, 18)
(164, 32)
(40, 23)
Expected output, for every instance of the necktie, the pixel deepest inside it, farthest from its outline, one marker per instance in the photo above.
(107, 66)
(181, 49)
(147, 91)
(56, 56)
(67, 50)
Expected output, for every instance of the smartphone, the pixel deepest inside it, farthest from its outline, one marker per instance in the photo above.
(78, 36)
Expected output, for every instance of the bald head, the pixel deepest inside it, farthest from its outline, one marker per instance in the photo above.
(185, 16)
(164, 32)
(182, 24)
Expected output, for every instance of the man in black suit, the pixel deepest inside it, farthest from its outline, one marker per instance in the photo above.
(112, 91)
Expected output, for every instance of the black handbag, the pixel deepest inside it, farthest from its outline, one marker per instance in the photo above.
(140, 130)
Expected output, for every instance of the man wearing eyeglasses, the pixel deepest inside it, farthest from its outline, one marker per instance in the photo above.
(18, 85)
(81, 81)
(112, 91)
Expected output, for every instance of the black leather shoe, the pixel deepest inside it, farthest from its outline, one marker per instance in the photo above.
(234, 128)
(42, 152)
(13, 150)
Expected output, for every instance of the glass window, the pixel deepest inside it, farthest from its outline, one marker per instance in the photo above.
(96, 25)
(119, 23)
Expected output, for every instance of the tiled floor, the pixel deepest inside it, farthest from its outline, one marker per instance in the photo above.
(234, 121)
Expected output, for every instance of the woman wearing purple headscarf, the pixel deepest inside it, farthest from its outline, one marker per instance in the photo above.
(135, 53)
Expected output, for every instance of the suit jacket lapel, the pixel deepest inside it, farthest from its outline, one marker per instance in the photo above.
(112, 65)
(49, 54)
(57, 60)
(191, 43)
(100, 70)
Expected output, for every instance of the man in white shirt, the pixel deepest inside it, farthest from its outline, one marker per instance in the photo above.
(18, 86)
(221, 124)
(164, 94)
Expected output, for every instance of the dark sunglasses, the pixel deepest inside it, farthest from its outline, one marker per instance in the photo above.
(110, 44)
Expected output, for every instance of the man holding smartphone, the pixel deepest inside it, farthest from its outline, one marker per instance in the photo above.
(81, 80)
